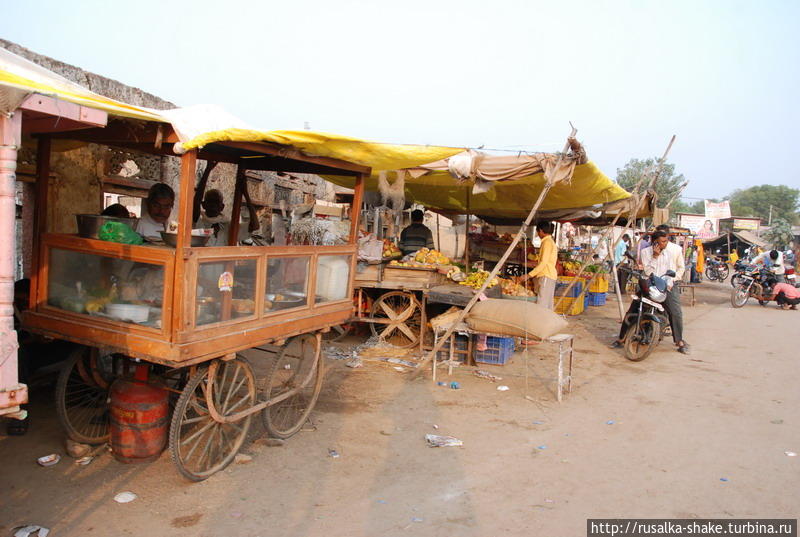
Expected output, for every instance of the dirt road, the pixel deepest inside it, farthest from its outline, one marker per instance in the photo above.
(672, 436)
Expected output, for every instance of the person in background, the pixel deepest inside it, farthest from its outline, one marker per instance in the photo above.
(644, 242)
(208, 207)
(117, 210)
(787, 296)
(772, 260)
(694, 276)
(416, 235)
(155, 211)
(621, 254)
(545, 271)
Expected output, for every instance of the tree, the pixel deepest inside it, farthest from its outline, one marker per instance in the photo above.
(756, 201)
(667, 186)
(780, 234)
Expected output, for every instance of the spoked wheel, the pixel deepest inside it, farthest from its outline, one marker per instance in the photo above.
(736, 280)
(723, 272)
(404, 312)
(641, 340)
(297, 364)
(82, 395)
(711, 274)
(739, 297)
(200, 445)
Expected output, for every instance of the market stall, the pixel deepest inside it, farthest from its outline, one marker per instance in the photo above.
(170, 316)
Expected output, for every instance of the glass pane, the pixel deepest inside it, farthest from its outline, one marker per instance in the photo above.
(100, 286)
(333, 277)
(287, 283)
(225, 290)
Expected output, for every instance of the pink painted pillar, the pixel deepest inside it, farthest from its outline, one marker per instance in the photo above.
(12, 393)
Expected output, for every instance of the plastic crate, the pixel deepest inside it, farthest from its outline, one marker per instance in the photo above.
(498, 351)
(564, 282)
(596, 299)
(461, 344)
(570, 305)
(600, 284)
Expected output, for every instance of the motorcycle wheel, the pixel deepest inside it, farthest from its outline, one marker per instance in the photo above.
(710, 274)
(641, 340)
(739, 297)
(735, 280)
(723, 272)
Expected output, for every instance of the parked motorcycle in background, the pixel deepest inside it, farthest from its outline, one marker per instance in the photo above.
(740, 267)
(648, 320)
(717, 270)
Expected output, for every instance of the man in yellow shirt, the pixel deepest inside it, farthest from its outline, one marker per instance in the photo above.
(545, 271)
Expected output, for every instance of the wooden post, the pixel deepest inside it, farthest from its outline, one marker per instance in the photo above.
(39, 214)
(180, 317)
(358, 196)
(236, 210)
(466, 236)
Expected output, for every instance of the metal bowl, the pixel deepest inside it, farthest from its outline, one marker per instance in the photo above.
(172, 239)
(89, 224)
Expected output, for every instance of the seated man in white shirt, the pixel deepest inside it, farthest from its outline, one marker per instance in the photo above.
(155, 211)
(657, 259)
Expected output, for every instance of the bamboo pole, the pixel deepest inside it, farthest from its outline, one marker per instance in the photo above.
(545, 189)
(631, 219)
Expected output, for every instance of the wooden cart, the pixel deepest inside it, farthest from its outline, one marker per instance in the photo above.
(205, 305)
(399, 294)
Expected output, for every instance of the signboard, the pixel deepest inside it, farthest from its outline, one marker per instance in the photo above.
(745, 223)
(715, 211)
(694, 222)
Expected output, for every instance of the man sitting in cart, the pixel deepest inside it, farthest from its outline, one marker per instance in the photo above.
(415, 236)
(155, 211)
(211, 217)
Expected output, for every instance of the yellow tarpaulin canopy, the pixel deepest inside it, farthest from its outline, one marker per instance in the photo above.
(507, 199)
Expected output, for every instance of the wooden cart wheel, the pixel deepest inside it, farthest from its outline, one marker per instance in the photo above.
(199, 445)
(293, 364)
(405, 313)
(82, 395)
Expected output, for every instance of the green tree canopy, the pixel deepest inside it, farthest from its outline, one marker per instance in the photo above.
(780, 234)
(667, 186)
(756, 201)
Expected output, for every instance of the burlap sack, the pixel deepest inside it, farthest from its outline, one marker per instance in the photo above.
(515, 318)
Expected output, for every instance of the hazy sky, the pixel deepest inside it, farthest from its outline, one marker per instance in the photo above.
(724, 76)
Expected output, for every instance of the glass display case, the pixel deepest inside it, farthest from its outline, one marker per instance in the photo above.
(106, 287)
(225, 290)
(287, 283)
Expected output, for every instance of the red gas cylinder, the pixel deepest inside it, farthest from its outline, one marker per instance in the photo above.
(139, 418)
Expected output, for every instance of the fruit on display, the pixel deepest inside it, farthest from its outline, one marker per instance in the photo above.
(433, 257)
(477, 279)
(571, 267)
(511, 288)
(390, 249)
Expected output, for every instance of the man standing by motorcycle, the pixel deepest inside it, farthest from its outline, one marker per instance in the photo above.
(661, 257)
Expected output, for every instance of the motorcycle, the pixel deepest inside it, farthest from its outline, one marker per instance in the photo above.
(717, 270)
(791, 277)
(648, 320)
(740, 267)
(757, 282)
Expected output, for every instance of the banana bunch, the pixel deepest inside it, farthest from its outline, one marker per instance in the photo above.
(571, 266)
(476, 280)
(96, 304)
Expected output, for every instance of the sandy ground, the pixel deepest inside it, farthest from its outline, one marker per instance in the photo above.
(697, 436)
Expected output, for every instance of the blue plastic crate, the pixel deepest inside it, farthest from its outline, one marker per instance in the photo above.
(576, 290)
(498, 351)
(461, 344)
(596, 299)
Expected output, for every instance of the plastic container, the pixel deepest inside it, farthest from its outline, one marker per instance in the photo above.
(461, 344)
(128, 312)
(596, 299)
(599, 285)
(570, 305)
(333, 273)
(564, 282)
(499, 350)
